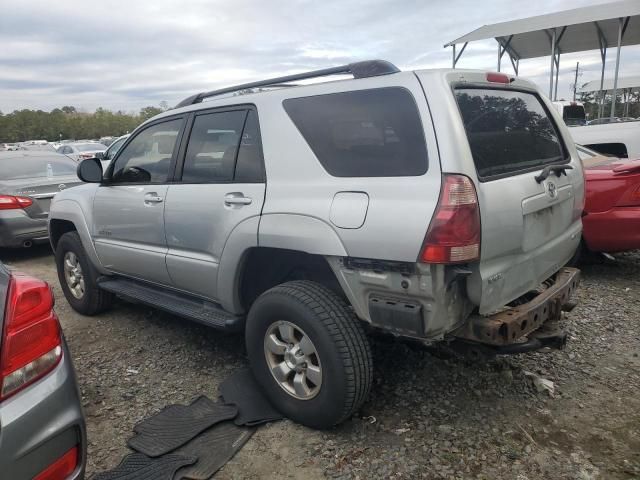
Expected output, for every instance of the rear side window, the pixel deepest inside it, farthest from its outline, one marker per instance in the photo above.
(508, 131)
(364, 133)
(213, 146)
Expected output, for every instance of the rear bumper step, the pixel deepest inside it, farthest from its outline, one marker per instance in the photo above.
(529, 326)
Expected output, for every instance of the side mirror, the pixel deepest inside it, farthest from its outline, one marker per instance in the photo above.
(90, 170)
(100, 155)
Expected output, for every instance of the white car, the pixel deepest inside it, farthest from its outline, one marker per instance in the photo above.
(80, 150)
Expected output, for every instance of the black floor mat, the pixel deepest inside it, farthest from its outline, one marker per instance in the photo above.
(175, 425)
(242, 390)
(213, 448)
(140, 467)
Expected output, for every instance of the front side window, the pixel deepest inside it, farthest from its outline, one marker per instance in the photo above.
(363, 133)
(508, 131)
(213, 147)
(147, 158)
(113, 148)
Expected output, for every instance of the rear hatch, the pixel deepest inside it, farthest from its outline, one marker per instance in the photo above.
(530, 226)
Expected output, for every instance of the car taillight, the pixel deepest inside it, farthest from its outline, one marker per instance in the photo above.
(12, 202)
(454, 233)
(62, 468)
(631, 198)
(31, 343)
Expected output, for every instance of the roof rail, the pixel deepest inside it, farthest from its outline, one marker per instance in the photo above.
(364, 69)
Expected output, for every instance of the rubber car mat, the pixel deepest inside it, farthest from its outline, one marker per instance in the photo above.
(242, 390)
(175, 425)
(213, 448)
(137, 466)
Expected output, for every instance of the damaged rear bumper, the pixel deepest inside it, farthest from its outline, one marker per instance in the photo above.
(528, 326)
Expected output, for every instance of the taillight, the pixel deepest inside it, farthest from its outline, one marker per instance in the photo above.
(631, 198)
(31, 342)
(12, 202)
(62, 468)
(495, 77)
(454, 233)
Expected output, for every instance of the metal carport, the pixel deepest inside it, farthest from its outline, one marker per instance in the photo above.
(597, 27)
(627, 85)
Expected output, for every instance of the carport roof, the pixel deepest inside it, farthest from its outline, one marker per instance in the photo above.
(632, 82)
(585, 27)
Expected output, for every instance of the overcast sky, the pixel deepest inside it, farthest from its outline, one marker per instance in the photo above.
(123, 55)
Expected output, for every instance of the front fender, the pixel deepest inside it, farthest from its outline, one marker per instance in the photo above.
(71, 211)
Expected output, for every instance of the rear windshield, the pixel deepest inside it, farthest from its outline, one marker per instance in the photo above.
(363, 133)
(89, 147)
(574, 115)
(14, 168)
(508, 131)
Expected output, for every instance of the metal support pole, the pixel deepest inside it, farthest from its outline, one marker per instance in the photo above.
(499, 55)
(555, 93)
(553, 57)
(454, 56)
(517, 66)
(603, 56)
(615, 77)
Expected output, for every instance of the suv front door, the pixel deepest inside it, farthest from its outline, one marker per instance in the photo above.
(129, 208)
(219, 188)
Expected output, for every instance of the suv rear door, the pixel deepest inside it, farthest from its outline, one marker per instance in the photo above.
(530, 226)
(219, 188)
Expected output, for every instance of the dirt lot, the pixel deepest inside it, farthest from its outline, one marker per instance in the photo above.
(429, 415)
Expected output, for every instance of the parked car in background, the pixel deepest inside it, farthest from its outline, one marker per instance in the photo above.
(28, 182)
(572, 113)
(108, 155)
(107, 141)
(7, 147)
(37, 147)
(604, 121)
(620, 139)
(81, 150)
(612, 205)
(42, 427)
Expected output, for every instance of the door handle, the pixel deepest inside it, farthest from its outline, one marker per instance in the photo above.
(153, 197)
(236, 198)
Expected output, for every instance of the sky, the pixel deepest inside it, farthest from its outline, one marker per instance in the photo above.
(124, 55)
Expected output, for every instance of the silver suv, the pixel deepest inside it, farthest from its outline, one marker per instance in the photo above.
(434, 205)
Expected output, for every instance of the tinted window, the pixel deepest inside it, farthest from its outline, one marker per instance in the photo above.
(13, 168)
(148, 156)
(508, 131)
(574, 115)
(366, 133)
(249, 166)
(213, 146)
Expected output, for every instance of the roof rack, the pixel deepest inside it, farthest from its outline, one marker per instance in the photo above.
(364, 69)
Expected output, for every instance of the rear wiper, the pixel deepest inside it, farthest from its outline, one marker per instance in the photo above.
(557, 169)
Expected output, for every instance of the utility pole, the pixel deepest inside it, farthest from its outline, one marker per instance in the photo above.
(575, 82)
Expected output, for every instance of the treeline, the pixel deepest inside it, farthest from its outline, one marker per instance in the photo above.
(67, 122)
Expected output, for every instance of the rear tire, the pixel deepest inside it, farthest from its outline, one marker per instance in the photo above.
(313, 319)
(78, 277)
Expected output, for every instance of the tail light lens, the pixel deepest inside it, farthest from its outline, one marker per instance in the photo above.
(454, 233)
(12, 202)
(62, 468)
(631, 198)
(31, 341)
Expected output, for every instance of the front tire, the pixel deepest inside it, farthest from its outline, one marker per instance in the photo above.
(309, 352)
(78, 277)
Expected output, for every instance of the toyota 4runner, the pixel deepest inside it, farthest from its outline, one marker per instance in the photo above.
(437, 205)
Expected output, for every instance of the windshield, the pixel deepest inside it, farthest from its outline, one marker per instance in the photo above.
(14, 168)
(89, 147)
(508, 131)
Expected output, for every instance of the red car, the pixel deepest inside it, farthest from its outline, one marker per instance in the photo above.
(611, 221)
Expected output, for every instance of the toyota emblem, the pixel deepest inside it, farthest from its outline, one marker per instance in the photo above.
(552, 190)
(62, 186)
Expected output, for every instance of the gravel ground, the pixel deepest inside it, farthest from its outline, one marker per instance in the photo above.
(429, 415)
